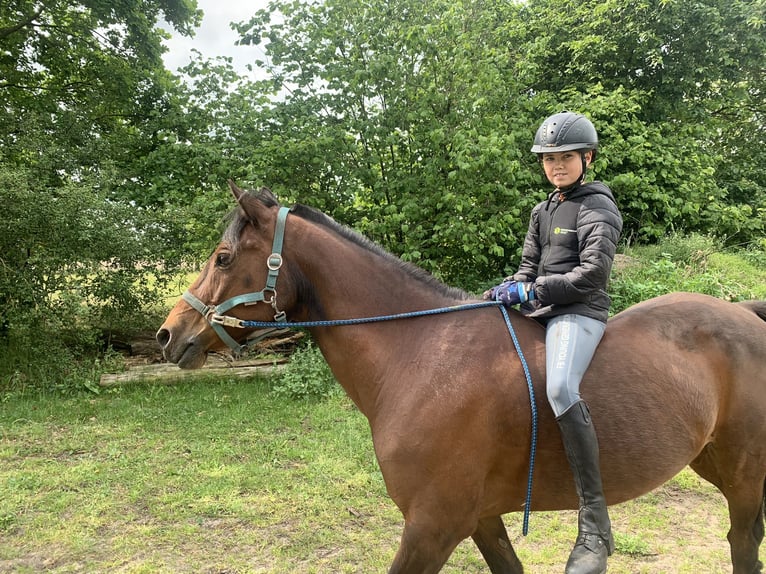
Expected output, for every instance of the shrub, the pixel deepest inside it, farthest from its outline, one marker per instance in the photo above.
(307, 376)
(694, 263)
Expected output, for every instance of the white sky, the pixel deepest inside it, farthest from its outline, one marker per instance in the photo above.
(215, 37)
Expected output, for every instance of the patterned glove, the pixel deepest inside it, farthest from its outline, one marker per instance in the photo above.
(511, 293)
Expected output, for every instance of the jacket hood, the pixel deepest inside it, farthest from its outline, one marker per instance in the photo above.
(590, 188)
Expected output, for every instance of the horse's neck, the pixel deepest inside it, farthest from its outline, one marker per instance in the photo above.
(351, 282)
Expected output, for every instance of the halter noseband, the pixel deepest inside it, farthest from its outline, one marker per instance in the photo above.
(214, 314)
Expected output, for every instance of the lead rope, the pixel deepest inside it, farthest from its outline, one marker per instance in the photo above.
(533, 406)
(466, 307)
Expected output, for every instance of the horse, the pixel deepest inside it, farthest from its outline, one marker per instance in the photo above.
(677, 381)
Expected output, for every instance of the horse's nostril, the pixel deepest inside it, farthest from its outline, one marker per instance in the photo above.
(163, 337)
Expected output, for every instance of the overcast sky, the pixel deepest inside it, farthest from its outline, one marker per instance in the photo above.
(215, 37)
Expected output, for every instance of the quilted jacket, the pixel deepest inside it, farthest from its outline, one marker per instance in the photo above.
(568, 252)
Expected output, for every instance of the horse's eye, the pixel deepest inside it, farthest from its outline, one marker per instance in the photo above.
(222, 259)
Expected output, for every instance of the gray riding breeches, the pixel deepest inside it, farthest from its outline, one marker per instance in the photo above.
(570, 342)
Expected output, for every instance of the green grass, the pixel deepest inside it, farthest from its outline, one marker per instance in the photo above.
(222, 476)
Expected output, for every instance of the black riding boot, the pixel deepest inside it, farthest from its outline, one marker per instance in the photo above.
(594, 540)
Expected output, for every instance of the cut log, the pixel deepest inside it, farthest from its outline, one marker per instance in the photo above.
(166, 373)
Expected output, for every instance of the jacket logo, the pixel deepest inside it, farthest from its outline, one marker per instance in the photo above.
(563, 230)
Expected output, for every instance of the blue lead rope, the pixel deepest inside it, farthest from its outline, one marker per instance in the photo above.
(362, 320)
(441, 310)
(533, 404)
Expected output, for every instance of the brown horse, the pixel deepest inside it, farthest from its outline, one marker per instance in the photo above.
(678, 380)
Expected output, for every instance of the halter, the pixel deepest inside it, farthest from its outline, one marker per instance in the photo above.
(214, 314)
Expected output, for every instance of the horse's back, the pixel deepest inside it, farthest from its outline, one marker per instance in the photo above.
(672, 376)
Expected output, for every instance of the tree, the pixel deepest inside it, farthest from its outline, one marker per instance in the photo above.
(391, 119)
(77, 76)
(412, 120)
(694, 76)
(80, 83)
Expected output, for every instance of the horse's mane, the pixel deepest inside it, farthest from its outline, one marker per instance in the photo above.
(319, 218)
(238, 220)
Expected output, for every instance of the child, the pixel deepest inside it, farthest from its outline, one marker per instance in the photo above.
(561, 282)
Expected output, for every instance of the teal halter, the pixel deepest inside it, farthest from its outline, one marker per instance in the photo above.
(215, 314)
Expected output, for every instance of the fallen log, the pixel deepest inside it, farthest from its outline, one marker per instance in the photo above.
(166, 373)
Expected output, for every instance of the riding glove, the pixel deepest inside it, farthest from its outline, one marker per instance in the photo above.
(513, 292)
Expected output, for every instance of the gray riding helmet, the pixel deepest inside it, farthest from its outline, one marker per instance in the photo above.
(563, 132)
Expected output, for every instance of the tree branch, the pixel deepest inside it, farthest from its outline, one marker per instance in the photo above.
(7, 31)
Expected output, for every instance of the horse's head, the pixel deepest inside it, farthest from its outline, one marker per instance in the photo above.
(240, 276)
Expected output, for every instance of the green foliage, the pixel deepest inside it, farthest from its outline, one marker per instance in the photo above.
(397, 128)
(307, 376)
(415, 129)
(68, 246)
(693, 263)
(79, 79)
(80, 83)
(409, 120)
(72, 266)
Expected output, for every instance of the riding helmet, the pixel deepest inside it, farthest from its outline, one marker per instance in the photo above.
(563, 132)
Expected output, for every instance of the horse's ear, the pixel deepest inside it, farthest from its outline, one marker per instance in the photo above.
(254, 209)
(236, 191)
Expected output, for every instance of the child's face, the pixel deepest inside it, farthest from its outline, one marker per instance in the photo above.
(565, 167)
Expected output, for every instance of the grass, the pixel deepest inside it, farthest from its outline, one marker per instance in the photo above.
(224, 477)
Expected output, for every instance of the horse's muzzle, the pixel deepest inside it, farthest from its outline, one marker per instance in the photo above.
(186, 353)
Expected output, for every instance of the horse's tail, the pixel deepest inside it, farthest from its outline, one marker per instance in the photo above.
(757, 307)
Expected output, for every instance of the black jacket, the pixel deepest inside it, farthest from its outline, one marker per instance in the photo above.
(568, 252)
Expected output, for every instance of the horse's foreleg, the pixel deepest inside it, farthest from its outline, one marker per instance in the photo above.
(424, 549)
(492, 539)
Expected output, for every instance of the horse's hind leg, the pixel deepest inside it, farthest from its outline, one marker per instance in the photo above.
(745, 497)
(746, 533)
(492, 539)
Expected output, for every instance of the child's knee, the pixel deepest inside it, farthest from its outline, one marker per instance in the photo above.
(559, 398)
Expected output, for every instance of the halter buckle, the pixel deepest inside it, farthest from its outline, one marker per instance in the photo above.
(280, 317)
(225, 320)
(274, 262)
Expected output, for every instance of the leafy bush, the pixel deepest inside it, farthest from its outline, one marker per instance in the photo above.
(307, 376)
(695, 263)
(52, 365)
(73, 265)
